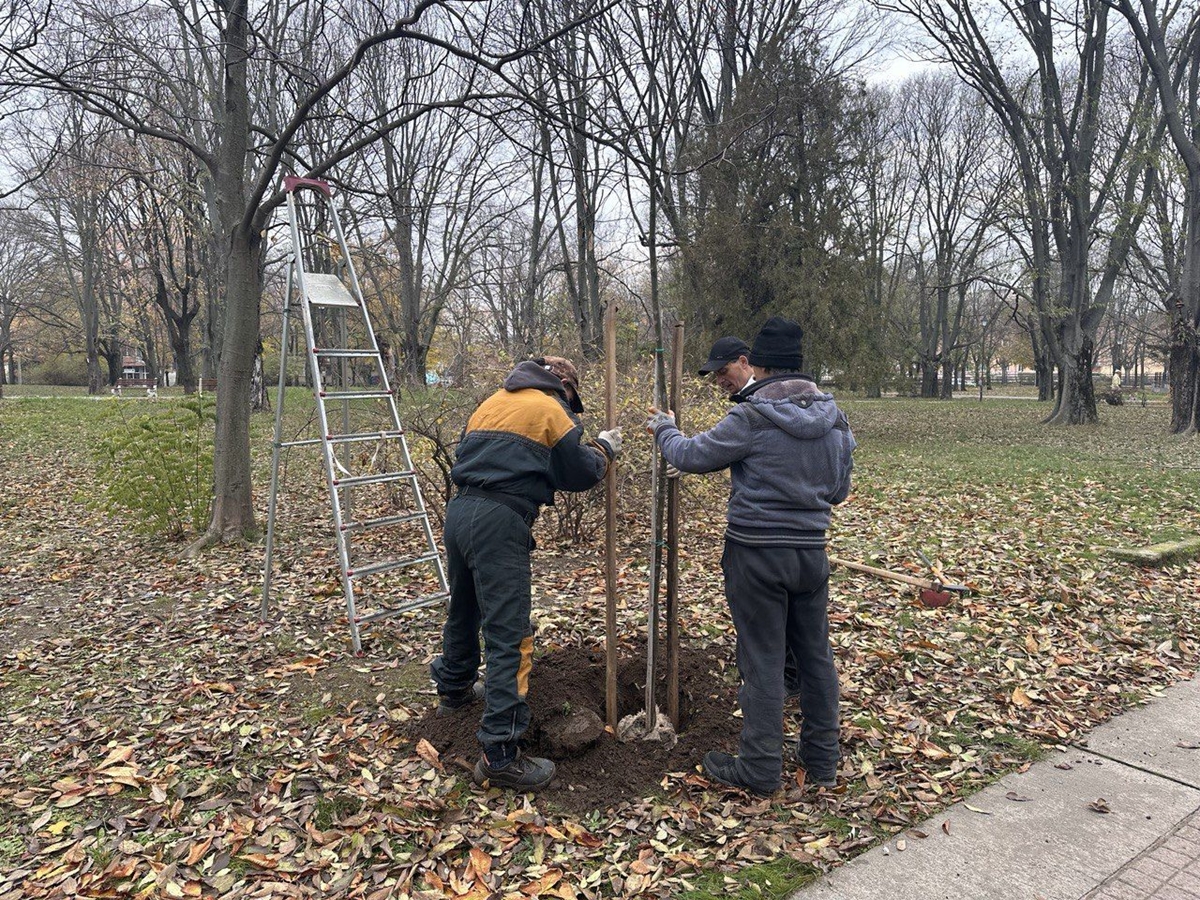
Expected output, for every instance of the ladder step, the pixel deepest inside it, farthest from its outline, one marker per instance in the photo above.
(383, 522)
(346, 438)
(327, 290)
(354, 395)
(381, 478)
(364, 436)
(390, 565)
(345, 353)
(405, 607)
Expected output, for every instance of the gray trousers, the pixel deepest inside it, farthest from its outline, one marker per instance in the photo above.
(487, 564)
(779, 599)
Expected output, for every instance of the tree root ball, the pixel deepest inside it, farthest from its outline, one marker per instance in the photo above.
(567, 709)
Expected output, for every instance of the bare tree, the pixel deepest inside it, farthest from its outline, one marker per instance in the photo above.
(165, 231)
(956, 189)
(20, 274)
(147, 60)
(1053, 121)
(1168, 33)
(884, 219)
(438, 184)
(74, 220)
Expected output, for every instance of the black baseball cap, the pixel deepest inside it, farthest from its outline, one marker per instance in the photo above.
(724, 351)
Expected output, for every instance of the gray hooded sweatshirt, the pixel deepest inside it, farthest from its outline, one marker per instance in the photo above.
(789, 451)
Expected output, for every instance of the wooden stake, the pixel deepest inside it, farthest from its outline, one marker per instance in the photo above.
(672, 610)
(610, 520)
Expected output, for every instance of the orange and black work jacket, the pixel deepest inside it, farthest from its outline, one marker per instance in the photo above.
(523, 442)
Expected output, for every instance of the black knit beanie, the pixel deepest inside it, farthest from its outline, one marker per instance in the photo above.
(778, 345)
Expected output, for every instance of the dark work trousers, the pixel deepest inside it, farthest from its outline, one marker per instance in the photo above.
(779, 599)
(487, 563)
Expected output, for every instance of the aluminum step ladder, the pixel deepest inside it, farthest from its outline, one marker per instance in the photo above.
(341, 346)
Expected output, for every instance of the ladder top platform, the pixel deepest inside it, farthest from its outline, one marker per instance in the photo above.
(327, 290)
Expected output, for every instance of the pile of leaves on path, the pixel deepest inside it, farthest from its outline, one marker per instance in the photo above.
(160, 741)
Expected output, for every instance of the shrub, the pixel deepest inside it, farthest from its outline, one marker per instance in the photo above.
(63, 369)
(158, 467)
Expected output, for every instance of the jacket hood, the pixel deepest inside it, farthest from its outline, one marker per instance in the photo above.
(796, 405)
(529, 374)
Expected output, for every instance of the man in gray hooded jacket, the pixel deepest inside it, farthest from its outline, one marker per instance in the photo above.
(789, 451)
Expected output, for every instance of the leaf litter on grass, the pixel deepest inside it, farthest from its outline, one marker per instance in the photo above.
(161, 741)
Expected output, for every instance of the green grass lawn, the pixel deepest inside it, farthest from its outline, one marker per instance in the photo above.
(111, 642)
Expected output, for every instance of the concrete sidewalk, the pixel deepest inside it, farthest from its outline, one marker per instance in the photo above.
(1042, 836)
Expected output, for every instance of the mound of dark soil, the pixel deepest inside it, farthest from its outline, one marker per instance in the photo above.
(572, 678)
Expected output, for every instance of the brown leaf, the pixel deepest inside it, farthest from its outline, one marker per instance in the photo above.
(197, 852)
(262, 860)
(429, 753)
(481, 863)
(543, 884)
(115, 757)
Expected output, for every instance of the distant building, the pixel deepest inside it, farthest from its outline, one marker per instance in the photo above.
(133, 368)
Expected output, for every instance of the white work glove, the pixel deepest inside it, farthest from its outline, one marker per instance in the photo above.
(658, 418)
(611, 439)
(673, 472)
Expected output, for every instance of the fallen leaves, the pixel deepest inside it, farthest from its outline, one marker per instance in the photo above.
(160, 741)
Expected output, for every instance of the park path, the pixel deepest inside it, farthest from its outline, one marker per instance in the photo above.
(1115, 819)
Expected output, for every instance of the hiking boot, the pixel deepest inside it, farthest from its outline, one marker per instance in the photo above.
(722, 767)
(791, 694)
(449, 704)
(522, 773)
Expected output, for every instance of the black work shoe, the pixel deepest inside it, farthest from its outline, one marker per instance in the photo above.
(811, 780)
(449, 704)
(721, 767)
(523, 773)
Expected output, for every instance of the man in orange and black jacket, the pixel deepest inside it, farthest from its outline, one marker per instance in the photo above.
(520, 446)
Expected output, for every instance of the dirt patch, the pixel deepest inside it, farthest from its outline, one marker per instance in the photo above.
(572, 678)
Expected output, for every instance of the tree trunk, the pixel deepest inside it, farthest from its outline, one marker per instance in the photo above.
(929, 378)
(233, 502)
(181, 352)
(1077, 397)
(233, 507)
(113, 359)
(89, 313)
(1185, 324)
(1183, 368)
(1043, 371)
(949, 371)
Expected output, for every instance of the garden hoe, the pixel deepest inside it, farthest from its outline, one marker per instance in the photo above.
(933, 591)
